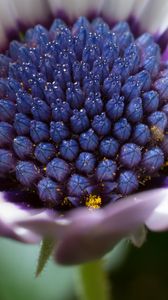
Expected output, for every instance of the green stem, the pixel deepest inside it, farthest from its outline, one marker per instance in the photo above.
(92, 282)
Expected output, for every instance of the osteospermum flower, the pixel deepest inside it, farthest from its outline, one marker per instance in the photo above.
(83, 123)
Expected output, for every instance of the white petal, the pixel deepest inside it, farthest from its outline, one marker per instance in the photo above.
(8, 14)
(8, 20)
(153, 15)
(118, 10)
(75, 8)
(158, 221)
(32, 10)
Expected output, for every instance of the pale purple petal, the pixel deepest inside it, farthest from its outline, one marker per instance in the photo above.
(117, 220)
(10, 214)
(158, 221)
(84, 235)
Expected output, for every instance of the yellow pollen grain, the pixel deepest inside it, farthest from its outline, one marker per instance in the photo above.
(145, 180)
(165, 164)
(66, 202)
(93, 202)
(157, 133)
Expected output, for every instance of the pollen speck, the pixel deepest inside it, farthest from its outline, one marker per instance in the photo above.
(93, 202)
(157, 134)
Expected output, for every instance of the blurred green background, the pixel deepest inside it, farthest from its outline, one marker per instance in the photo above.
(135, 274)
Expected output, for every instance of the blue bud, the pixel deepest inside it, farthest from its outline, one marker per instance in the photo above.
(6, 133)
(132, 57)
(101, 124)
(89, 140)
(21, 124)
(161, 86)
(110, 49)
(141, 134)
(44, 152)
(106, 170)
(150, 101)
(93, 105)
(23, 55)
(86, 71)
(66, 68)
(125, 40)
(3, 88)
(101, 67)
(14, 49)
(127, 182)
(66, 57)
(58, 169)
(27, 173)
(152, 50)
(14, 71)
(100, 27)
(61, 111)
(152, 65)
(109, 187)
(49, 192)
(165, 109)
(77, 71)
(122, 130)
(37, 87)
(7, 110)
(4, 65)
(113, 197)
(39, 131)
(81, 22)
(90, 53)
(144, 80)
(40, 110)
(69, 149)
(158, 119)
(75, 201)
(86, 162)
(131, 88)
(115, 107)
(56, 28)
(120, 28)
(144, 40)
(7, 161)
(23, 147)
(135, 84)
(109, 147)
(79, 121)
(112, 85)
(153, 159)
(39, 37)
(24, 102)
(78, 185)
(58, 131)
(134, 110)
(91, 83)
(121, 67)
(74, 96)
(80, 30)
(130, 155)
(47, 69)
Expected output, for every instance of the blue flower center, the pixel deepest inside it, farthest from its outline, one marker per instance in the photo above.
(83, 112)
